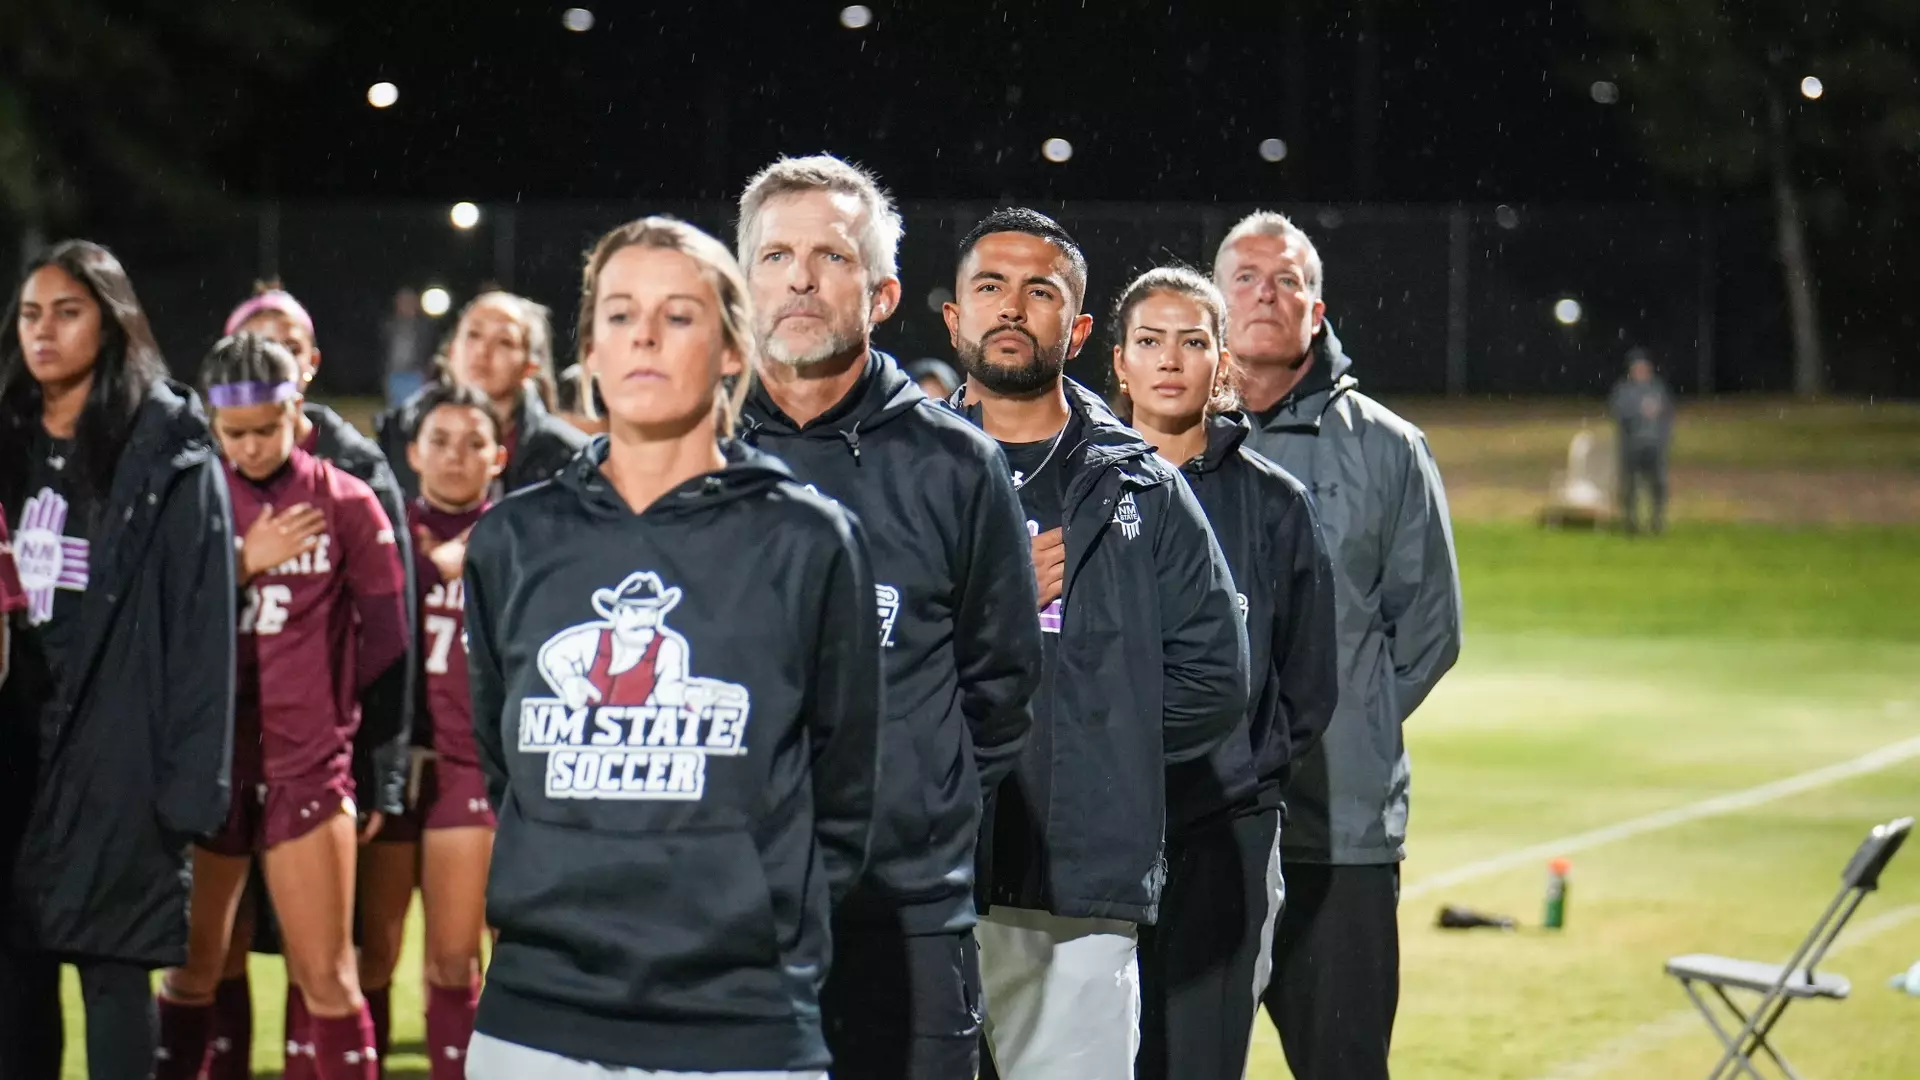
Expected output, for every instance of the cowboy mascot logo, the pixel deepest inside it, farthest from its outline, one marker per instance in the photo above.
(627, 719)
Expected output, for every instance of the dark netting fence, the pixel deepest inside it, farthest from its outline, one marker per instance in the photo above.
(1482, 300)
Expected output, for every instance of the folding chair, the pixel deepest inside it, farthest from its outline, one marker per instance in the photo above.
(1779, 985)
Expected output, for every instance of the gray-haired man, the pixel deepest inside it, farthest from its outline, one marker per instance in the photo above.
(1335, 983)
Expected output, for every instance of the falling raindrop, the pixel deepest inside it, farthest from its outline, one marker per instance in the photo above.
(856, 16)
(1604, 92)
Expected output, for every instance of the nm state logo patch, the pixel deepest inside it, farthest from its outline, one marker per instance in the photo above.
(1127, 516)
(628, 719)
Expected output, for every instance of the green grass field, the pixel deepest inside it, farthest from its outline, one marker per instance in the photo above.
(1605, 679)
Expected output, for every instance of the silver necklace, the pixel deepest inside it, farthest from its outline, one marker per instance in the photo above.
(1020, 479)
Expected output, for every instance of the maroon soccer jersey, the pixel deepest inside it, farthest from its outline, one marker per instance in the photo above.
(443, 624)
(305, 625)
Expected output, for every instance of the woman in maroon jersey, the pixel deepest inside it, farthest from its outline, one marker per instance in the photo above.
(322, 615)
(381, 746)
(457, 454)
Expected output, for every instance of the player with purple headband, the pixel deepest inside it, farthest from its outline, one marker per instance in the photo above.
(381, 750)
(322, 616)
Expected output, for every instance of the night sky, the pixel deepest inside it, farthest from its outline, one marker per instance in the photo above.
(945, 100)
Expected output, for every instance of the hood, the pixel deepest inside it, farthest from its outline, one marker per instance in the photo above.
(171, 420)
(1225, 432)
(1326, 381)
(747, 472)
(883, 392)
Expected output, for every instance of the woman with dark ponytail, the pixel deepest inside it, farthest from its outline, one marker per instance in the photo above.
(118, 706)
(1200, 963)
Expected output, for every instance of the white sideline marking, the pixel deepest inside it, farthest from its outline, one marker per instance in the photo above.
(1653, 1033)
(1870, 762)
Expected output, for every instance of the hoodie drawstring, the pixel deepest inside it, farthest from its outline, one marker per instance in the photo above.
(852, 435)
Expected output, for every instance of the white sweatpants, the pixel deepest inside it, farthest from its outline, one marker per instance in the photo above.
(1062, 995)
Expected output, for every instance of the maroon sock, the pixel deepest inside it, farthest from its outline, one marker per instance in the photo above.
(183, 1040)
(230, 1056)
(343, 1047)
(299, 1065)
(382, 1026)
(449, 1030)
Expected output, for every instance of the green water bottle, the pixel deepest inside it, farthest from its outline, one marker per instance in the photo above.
(1557, 893)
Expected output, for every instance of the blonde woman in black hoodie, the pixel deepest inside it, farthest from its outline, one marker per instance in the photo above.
(1200, 964)
(674, 655)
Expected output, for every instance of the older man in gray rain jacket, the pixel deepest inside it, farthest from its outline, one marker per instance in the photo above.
(1335, 981)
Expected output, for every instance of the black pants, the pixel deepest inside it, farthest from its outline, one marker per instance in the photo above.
(121, 1028)
(1643, 466)
(1336, 970)
(1197, 962)
(902, 1008)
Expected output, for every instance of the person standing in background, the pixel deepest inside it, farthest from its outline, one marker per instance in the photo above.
(407, 341)
(1335, 984)
(502, 345)
(1642, 407)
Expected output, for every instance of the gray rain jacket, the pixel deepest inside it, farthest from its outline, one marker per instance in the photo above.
(1383, 513)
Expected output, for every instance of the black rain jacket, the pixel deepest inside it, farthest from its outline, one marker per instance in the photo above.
(129, 756)
(1152, 673)
(1265, 524)
(953, 575)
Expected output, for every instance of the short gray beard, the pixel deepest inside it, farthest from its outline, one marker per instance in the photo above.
(837, 343)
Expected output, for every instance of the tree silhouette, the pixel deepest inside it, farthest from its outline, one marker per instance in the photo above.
(105, 103)
(1712, 90)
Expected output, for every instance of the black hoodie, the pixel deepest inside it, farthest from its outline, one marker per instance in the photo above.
(959, 641)
(1151, 671)
(1265, 524)
(681, 800)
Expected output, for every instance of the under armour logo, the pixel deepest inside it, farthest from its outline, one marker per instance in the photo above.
(1329, 489)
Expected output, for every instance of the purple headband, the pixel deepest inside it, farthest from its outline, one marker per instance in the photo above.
(272, 300)
(241, 395)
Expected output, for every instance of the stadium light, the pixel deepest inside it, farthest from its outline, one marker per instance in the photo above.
(1056, 150)
(435, 301)
(1567, 311)
(1273, 149)
(464, 215)
(382, 94)
(1811, 88)
(1604, 92)
(856, 16)
(577, 19)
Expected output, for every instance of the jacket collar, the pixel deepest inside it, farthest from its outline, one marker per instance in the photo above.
(1225, 432)
(883, 392)
(1327, 381)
